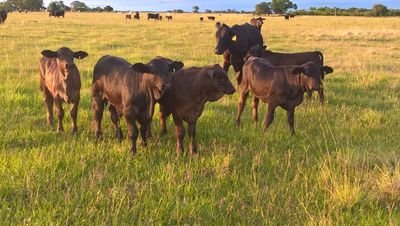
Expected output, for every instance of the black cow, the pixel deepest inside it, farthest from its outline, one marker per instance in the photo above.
(3, 16)
(238, 39)
(155, 16)
(201, 19)
(211, 18)
(136, 16)
(282, 86)
(131, 91)
(284, 59)
(57, 13)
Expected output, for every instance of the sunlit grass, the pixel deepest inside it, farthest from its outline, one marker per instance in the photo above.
(342, 167)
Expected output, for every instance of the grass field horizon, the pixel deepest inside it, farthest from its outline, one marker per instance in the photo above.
(342, 166)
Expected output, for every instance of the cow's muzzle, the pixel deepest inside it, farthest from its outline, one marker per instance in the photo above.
(218, 52)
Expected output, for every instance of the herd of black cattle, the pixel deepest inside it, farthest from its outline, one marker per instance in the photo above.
(132, 90)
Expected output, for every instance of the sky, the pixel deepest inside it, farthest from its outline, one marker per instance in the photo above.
(163, 5)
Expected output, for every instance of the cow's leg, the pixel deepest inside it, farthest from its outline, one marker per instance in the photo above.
(290, 116)
(144, 122)
(148, 132)
(132, 128)
(116, 123)
(164, 113)
(74, 115)
(98, 108)
(241, 104)
(270, 115)
(192, 134)
(254, 106)
(309, 94)
(321, 94)
(60, 114)
(48, 102)
(179, 133)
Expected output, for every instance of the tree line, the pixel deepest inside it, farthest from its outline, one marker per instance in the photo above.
(36, 5)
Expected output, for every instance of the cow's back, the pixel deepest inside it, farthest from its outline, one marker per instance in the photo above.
(283, 59)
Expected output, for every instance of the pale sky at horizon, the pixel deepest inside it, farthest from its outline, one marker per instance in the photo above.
(162, 5)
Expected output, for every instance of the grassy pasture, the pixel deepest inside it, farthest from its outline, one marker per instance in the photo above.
(342, 167)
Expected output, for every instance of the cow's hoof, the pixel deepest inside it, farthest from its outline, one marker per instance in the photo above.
(98, 134)
(133, 150)
(144, 144)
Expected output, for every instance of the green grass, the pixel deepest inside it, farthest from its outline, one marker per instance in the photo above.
(342, 167)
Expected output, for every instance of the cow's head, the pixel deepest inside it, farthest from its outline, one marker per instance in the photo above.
(65, 59)
(225, 37)
(255, 51)
(310, 75)
(158, 73)
(220, 83)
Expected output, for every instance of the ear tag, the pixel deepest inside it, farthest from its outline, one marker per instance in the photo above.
(234, 38)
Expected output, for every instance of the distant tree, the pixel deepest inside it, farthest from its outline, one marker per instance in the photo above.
(281, 6)
(263, 8)
(379, 10)
(98, 9)
(57, 5)
(178, 11)
(196, 9)
(79, 6)
(108, 9)
(24, 4)
(208, 11)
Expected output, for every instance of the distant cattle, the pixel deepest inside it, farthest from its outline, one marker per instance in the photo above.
(191, 88)
(201, 19)
(286, 17)
(60, 82)
(155, 16)
(284, 59)
(136, 16)
(282, 86)
(168, 17)
(291, 15)
(57, 13)
(211, 18)
(238, 39)
(131, 91)
(128, 17)
(3, 16)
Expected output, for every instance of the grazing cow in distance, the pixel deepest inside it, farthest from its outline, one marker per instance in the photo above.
(168, 18)
(201, 19)
(282, 86)
(60, 82)
(3, 16)
(155, 16)
(131, 91)
(136, 16)
(238, 39)
(211, 18)
(57, 13)
(286, 17)
(291, 15)
(284, 59)
(191, 88)
(128, 17)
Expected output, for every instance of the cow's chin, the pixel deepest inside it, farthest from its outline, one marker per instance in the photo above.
(157, 93)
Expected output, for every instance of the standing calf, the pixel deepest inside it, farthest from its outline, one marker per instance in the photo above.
(60, 82)
(282, 86)
(191, 89)
(131, 91)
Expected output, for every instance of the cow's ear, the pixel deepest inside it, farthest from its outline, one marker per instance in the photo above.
(217, 25)
(175, 66)
(298, 70)
(49, 54)
(141, 68)
(80, 54)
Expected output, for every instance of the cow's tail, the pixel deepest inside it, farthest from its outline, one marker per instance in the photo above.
(321, 56)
